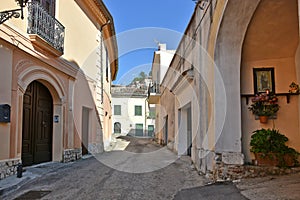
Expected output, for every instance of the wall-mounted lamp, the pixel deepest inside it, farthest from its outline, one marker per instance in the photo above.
(7, 14)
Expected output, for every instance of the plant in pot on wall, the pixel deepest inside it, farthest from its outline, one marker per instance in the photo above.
(294, 88)
(269, 148)
(264, 105)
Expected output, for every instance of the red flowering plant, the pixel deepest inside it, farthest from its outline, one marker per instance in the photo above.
(264, 105)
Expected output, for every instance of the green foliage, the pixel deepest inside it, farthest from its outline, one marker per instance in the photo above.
(142, 76)
(268, 141)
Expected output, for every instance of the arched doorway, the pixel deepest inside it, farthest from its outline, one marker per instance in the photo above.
(37, 125)
(117, 127)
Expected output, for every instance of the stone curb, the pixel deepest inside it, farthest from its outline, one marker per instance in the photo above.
(10, 188)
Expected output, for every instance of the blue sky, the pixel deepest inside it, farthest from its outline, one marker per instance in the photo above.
(140, 24)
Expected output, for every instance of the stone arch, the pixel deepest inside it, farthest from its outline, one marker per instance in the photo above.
(48, 78)
(227, 56)
(270, 43)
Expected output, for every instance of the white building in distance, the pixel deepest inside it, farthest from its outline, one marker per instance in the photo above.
(131, 112)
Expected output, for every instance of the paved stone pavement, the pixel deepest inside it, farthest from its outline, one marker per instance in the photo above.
(285, 187)
(91, 179)
(219, 191)
(143, 171)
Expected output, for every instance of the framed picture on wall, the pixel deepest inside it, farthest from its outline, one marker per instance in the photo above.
(263, 80)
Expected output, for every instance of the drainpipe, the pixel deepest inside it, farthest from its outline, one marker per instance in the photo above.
(145, 115)
(101, 58)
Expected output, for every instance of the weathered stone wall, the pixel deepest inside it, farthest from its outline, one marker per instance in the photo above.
(8, 167)
(70, 155)
(235, 172)
(95, 148)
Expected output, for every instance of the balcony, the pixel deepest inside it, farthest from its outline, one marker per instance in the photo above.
(153, 94)
(44, 30)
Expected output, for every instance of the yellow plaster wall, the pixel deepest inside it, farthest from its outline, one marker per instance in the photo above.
(80, 32)
(271, 41)
(287, 117)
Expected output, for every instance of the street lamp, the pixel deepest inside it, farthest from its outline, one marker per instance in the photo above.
(7, 14)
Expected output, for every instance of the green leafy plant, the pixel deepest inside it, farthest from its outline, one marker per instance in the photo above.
(264, 105)
(271, 142)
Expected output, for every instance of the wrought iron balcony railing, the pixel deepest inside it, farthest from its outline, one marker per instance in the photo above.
(40, 22)
(153, 89)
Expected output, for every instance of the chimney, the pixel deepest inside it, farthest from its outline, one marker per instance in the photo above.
(162, 46)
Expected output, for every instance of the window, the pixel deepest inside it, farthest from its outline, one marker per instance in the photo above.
(117, 109)
(138, 110)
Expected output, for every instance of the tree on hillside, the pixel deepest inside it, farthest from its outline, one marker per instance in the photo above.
(142, 76)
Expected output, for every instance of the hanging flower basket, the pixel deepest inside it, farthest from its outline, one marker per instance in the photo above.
(264, 106)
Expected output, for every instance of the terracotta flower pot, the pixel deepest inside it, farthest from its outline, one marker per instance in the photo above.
(272, 159)
(266, 160)
(263, 119)
(294, 91)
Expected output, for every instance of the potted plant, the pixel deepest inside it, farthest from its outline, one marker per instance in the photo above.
(294, 88)
(269, 148)
(264, 106)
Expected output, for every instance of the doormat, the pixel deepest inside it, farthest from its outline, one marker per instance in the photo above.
(33, 195)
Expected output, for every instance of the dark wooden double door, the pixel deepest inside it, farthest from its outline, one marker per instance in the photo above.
(37, 125)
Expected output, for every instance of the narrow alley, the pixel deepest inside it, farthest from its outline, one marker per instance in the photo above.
(93, 177)
(90, 179)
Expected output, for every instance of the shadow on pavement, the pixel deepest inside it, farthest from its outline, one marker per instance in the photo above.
(218, 191)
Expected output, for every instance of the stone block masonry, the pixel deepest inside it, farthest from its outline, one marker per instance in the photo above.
(71, 155)
(235, 172)
(8, 167)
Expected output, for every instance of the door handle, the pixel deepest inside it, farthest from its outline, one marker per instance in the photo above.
(44, 124)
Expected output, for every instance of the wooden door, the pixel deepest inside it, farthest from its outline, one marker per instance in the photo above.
(37, 125)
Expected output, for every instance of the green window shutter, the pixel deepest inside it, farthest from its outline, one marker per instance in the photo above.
(138, 110)
(117, 109)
